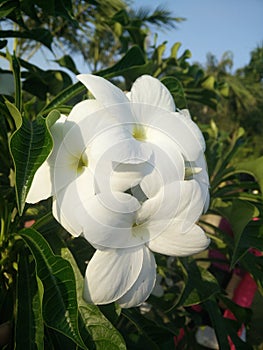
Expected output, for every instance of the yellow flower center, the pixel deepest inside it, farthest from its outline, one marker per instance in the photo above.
(139, 133)
(83, 162)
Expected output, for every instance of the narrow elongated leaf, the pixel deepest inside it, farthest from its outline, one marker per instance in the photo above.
(67, 62)
(224, 328)
(63, 97)
(94, 323)
(201, 285)
(15, 66)
(60, 308)
(16, 115)
(134, 57)
(176, 89)
(218, 323)
(3, 44)
(254, 264)
(238, 213)
(7, 7)
(132, 64)
(30, 145)
(29, 327)
(151, 333)
(39, 34)
(57, 8)
(95, 329)
(253, 167)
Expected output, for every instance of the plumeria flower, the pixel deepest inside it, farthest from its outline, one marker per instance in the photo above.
(123, 266)
(149, 114)
(80, 140)
(157, 215)
(128, 172)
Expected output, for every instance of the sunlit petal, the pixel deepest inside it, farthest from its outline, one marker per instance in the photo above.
(42, 185)
(104, 91)
(143, 285)
(149, 90)
(107, 220)
(168, 166)
(111, 273)
(174, 243)
(180, 201)
(70, 198)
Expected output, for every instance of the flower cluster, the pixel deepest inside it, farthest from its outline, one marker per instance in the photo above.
(127, 172)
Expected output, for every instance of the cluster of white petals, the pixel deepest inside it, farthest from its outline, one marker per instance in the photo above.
(127, 172)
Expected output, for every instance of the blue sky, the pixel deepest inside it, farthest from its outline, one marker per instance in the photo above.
(214, 26)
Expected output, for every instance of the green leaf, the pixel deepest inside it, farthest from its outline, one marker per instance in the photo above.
(238, 213)
(130, 66)
(60, 309)
(3, 44)
(55, 8)
(14, 113)
(30, 145)
(242, 314)
(158, 53)
(63, 97)
(67, 62)
(6, 7)
(223, 165)
(29, 326)
(15, 66)
(93, 325)
(218, 323)
(38, 34)
(174, 50)
(224, 328)
(152, 335)
(132, 60)
(176, 89)
(200, 285)
(208, 82)
(254, 168)
(254, 265)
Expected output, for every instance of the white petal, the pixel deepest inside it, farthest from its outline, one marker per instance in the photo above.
(107, 220)
(144, 284)
(83, 109)
(195, 129)
(87, 121)
(168, 165)
(179, 202)
(162, 126)
(174, 243)
(120, 164)
(104, 91)
(149, 90)
(42, 185)
(203, 179)
(111, 273)
(126, 176)
(70, 198)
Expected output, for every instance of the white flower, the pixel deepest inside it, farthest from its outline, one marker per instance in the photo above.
(123, 267)
(128, 172)
(160, 213)
(80, 141)
(148, 112)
